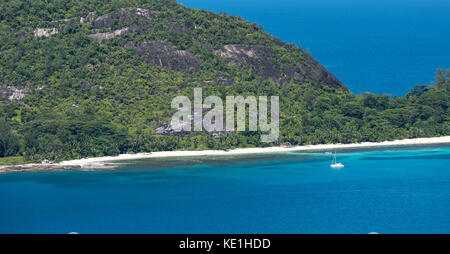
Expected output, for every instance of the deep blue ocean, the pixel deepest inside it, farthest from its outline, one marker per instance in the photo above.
(388, 190)
(381, 46)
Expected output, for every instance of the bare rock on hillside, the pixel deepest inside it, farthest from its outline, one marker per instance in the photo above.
(11, 93)
(124, 15)
(165, 55)
(259, 58)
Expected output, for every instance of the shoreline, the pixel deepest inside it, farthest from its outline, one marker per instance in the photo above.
(103, 163)
(256, 150)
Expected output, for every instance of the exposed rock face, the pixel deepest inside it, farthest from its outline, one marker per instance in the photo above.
(108, 35)
(11, 93)
(168, 128)
(165, 55)
(258, 57)
(124, 15)
(255, 56)
(88, 18)
(45, 32)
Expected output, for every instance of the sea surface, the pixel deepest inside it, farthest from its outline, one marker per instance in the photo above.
(381, 46)
(384, 190)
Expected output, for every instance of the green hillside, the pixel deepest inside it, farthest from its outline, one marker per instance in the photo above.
(90, 78)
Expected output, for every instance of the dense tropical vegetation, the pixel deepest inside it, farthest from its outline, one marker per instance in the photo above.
(86, 97)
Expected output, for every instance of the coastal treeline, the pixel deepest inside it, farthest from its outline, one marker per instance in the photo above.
(308, 116)
(87, 98)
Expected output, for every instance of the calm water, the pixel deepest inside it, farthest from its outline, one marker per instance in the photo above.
(382, 46)
(395, 190)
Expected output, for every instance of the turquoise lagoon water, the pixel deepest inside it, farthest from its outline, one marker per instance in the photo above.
(388, 190)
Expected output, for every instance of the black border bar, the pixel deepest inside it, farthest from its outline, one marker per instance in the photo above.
(226, 243)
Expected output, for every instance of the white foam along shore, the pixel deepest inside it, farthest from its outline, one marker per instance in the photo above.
(99, 160)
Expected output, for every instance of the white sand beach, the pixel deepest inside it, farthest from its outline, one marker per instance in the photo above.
(92, 162)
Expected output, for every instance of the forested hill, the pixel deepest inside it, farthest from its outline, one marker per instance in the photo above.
(91, 78)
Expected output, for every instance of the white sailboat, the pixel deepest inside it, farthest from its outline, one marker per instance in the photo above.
(335, 164)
